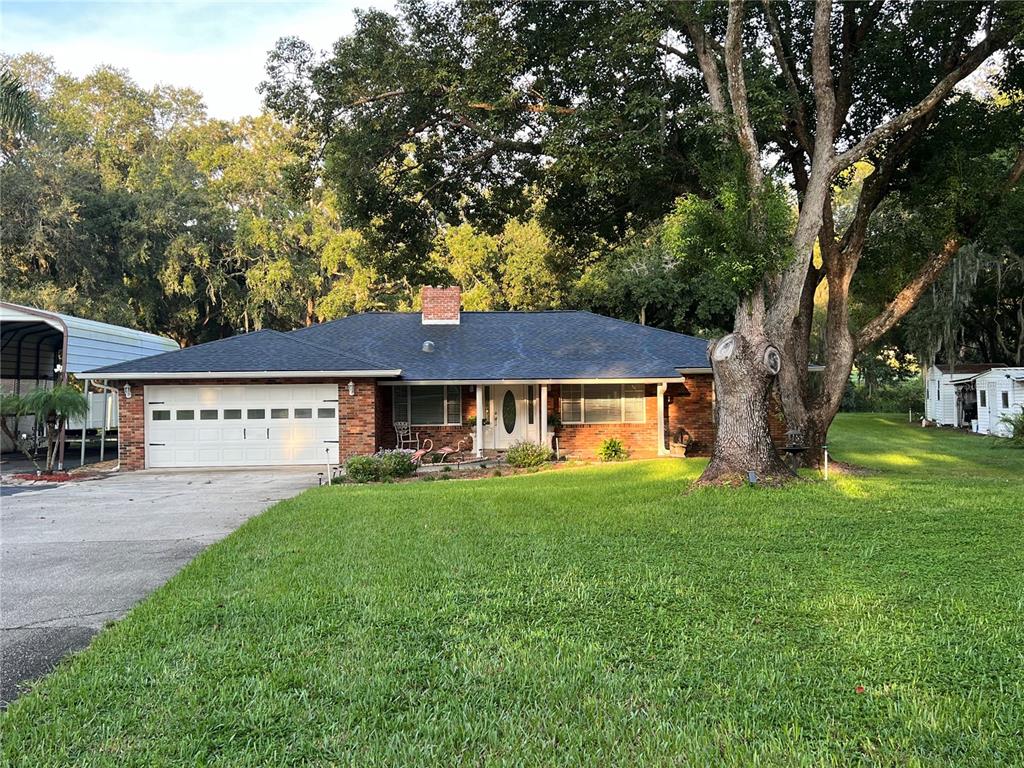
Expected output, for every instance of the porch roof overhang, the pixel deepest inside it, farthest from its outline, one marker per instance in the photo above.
(487, 382)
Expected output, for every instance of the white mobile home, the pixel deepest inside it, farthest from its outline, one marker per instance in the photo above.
(949, 396)
(1000, 393)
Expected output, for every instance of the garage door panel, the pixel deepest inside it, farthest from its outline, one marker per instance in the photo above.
(240, 425)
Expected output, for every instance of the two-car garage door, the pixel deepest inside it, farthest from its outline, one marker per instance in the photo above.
(241, 425)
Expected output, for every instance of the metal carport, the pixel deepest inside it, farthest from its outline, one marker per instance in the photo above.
(39, 347)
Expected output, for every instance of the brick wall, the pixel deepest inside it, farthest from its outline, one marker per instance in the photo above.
(440, 436)
(441, 305)
(357, 419)
(582, 440)
(131, 428)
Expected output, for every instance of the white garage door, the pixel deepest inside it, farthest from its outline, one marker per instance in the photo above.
(241, 425)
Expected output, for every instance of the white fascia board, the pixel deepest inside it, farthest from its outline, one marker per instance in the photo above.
(198, 375)
(488, 382)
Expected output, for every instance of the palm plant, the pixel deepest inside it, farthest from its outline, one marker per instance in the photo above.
(17, 110)
(12, 408)
(53, 408)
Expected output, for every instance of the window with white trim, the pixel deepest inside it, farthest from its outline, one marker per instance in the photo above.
(982, 398)
(428, 405)
(602, 404)
(1005, 398)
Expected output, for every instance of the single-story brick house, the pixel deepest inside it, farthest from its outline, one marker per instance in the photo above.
(330, 391)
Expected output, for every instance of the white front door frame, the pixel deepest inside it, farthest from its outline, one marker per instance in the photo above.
(503, 434)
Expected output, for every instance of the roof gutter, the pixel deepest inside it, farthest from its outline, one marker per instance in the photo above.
(199, 375)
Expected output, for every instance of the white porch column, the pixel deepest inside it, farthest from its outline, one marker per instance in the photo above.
(662, 389)
(478, 440)
(544, 414)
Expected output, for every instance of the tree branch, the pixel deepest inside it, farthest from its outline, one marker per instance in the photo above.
(789, 73)
(738, 94)
(707, 62)
(970, 62)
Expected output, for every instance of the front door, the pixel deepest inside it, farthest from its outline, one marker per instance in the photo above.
(993, 409)
(510, 416)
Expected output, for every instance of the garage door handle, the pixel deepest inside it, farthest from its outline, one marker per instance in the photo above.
(268, 433)
(243, 433)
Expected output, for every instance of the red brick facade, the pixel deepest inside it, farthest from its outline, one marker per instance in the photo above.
(131, 428)
(441, 305)
(365, 421)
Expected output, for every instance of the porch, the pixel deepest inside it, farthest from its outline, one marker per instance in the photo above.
(572, 417)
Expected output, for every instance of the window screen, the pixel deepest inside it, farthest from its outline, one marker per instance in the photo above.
(427, 405)
(633, 402)
(602, 403)
(400, 403)
(454, 405)
(572, 403)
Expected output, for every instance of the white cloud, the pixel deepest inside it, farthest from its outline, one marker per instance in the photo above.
(217, 48)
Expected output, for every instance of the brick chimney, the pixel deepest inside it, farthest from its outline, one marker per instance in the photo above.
(441, 305)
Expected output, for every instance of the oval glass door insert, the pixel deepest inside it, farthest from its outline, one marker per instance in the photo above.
(508, 411)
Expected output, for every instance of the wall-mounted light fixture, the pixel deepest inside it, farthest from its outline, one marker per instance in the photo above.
(127, 391)
(472, 389)
(351, 389)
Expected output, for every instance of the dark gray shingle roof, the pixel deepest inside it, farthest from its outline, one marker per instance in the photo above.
(512, 345)
(258, 352)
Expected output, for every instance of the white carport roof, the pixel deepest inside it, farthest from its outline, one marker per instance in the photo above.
(86, 344)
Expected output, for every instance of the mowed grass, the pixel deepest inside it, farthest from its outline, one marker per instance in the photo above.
(593, 616)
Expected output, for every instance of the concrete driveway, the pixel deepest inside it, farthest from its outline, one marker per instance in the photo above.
(77, 555)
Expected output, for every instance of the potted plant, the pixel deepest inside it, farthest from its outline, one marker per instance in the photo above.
(680, 442)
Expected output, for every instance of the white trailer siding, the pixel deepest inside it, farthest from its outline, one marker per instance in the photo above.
(940, 397)
(1000, 393)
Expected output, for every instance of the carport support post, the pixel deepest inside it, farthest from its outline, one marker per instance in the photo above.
(106, 419)
(85, 424)
(478, 440)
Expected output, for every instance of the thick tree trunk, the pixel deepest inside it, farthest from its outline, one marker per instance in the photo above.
(744, 366)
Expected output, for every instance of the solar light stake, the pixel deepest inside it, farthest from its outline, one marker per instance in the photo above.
(825, 447)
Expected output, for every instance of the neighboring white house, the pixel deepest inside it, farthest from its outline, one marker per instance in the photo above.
(1000, 393)
(949, 397)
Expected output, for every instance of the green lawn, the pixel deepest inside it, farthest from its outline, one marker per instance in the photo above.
(594, 616)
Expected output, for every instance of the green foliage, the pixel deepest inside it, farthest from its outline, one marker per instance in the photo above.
(1014, 423)
(527, 454)
(363, 469)
(896, 397)
(734, 237)
(55, 405)
(395, 464)
(17, 109)
(612, 449)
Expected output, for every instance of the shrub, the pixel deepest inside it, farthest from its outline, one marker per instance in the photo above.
(1015, 425)
(612, 449)
(527, 454)
(363, 469)
(396, 463)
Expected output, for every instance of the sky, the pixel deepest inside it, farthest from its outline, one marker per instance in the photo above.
(217, 48)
